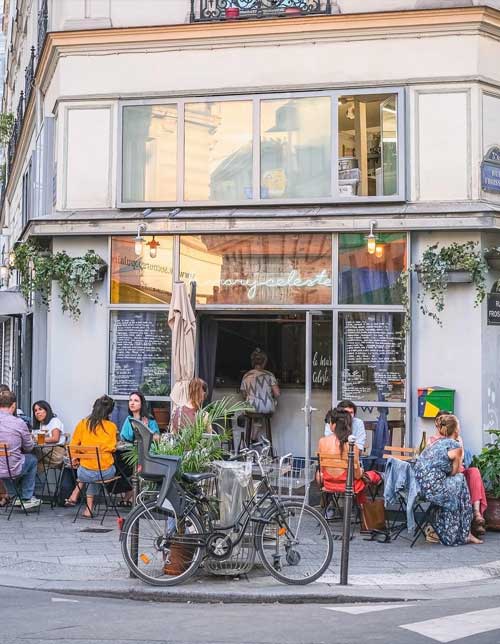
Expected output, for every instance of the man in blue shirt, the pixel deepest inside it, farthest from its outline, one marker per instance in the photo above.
(358, 426)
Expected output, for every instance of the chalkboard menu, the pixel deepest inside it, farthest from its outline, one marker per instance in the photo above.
(372, 356)
(140, 353)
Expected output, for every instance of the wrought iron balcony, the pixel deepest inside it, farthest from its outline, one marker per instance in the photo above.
(43, 21)
(215, 10)
(29, 76)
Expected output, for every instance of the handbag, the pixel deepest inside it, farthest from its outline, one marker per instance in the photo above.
(373, 516)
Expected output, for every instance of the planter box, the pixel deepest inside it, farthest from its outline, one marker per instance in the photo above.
(493, 261)
(456, 276)
(103, 269)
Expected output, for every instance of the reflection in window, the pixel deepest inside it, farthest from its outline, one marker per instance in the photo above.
(248, 269)
(141, 280)
(367, 145)
(371, 279)
(218, 151)
(371, 357)
(149, 153)
(295, 148)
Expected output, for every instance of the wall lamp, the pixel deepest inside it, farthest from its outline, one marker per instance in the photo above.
(139, 240)
(371, 244)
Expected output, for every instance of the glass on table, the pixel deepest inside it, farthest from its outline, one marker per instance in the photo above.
(40, 437)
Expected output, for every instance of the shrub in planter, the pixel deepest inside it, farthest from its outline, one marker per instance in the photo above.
(488, 463)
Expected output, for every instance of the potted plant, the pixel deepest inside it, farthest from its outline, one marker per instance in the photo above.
(232, 13)
(488, 463)
(293, 11)
(456, 263)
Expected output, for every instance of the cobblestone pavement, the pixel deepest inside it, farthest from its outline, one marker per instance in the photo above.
(49, 546)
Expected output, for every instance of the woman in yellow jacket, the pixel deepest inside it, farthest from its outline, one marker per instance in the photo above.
(94, 431)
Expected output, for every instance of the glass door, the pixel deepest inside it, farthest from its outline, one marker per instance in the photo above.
(318, 377)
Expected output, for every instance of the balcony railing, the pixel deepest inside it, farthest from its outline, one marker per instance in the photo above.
(29, 76)
(43, 21)
(215, 10)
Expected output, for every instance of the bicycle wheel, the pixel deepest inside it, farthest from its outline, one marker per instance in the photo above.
(167, 555)
(296, 546)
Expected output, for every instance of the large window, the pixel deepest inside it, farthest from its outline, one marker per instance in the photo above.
(295, 150)
(141, 279)
(266, 269)
(218, 153)
(149, 149)
(267, 149)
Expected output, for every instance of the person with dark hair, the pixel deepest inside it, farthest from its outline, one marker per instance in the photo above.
(138, 409)
(96, 430)
(15, 434)
(358, 426)
(438, 475)
(46, 421)
(336, 446)
(473, 478)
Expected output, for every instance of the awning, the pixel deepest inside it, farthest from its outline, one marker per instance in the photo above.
(12, 303)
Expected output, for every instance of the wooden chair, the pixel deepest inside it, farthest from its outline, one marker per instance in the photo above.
(76, 452)
(401, 453)
(5, 453)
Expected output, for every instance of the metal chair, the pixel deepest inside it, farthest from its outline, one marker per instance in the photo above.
(5, 454)
(76, 452)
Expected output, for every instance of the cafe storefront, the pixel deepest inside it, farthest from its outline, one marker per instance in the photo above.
(328, 314)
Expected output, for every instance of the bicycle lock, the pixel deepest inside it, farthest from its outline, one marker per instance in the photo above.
(134, 537)
(346, 535)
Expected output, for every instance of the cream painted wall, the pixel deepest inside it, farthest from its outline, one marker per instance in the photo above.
(451, 355)
(86, 172)
(77, 351)
(442, 145)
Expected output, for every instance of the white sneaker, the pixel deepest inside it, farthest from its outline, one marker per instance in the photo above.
(17, 502)
(32, 503)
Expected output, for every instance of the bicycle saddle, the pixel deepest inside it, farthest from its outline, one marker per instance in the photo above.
(197, 477)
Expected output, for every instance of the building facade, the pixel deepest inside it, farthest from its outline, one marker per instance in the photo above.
(252, 153)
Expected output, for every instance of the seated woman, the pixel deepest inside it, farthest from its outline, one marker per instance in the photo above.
(437, 471)
(138, 409)
(186, 414)
(44, 420)
(474, 482)
(94, 431)
(335, 446)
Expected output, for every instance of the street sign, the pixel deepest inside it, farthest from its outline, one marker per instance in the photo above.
(493, 308)
(490, 170)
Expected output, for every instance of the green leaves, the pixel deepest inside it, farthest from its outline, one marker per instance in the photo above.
(75, 276)
(488, 463)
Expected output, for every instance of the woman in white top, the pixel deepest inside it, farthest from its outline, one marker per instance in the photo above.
(45, 420)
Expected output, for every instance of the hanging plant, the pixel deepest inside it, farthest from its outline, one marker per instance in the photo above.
(438, 267)
(75, 276)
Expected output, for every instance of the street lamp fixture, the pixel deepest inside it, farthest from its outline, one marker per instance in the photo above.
(379, 250)
(153, 245)
(139, 240)
(371, 244)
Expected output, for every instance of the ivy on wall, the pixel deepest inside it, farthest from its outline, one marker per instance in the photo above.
(75, 276)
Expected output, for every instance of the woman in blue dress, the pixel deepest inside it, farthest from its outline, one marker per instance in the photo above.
(438, 474)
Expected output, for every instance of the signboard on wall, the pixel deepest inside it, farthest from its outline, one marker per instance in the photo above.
(490, 170)
(493, 308)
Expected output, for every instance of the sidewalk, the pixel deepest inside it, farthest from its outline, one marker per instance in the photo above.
(49, 552)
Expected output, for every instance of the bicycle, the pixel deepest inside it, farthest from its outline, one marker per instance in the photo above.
(177, 526)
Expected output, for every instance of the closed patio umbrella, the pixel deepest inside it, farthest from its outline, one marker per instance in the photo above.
(182, 322)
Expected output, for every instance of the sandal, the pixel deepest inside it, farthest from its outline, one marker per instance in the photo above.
(431, 535)
(5, 501)
(68, 503)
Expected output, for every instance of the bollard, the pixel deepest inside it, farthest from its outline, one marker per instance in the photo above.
(134, 537)
(346, 536)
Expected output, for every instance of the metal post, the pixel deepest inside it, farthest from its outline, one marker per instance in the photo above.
(134, 537)
(344, 561)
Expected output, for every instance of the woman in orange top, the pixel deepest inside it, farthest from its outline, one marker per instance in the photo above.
(94, 431)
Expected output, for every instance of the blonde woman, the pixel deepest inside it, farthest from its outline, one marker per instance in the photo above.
(186, 414)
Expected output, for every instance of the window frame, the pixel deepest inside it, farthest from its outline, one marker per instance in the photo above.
(256, 99)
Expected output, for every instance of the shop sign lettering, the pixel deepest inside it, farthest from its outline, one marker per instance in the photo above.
(493, 308)
(490, 170)
(291, 280)
(322, 369)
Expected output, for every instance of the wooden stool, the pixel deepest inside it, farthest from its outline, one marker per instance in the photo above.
(265, 420)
